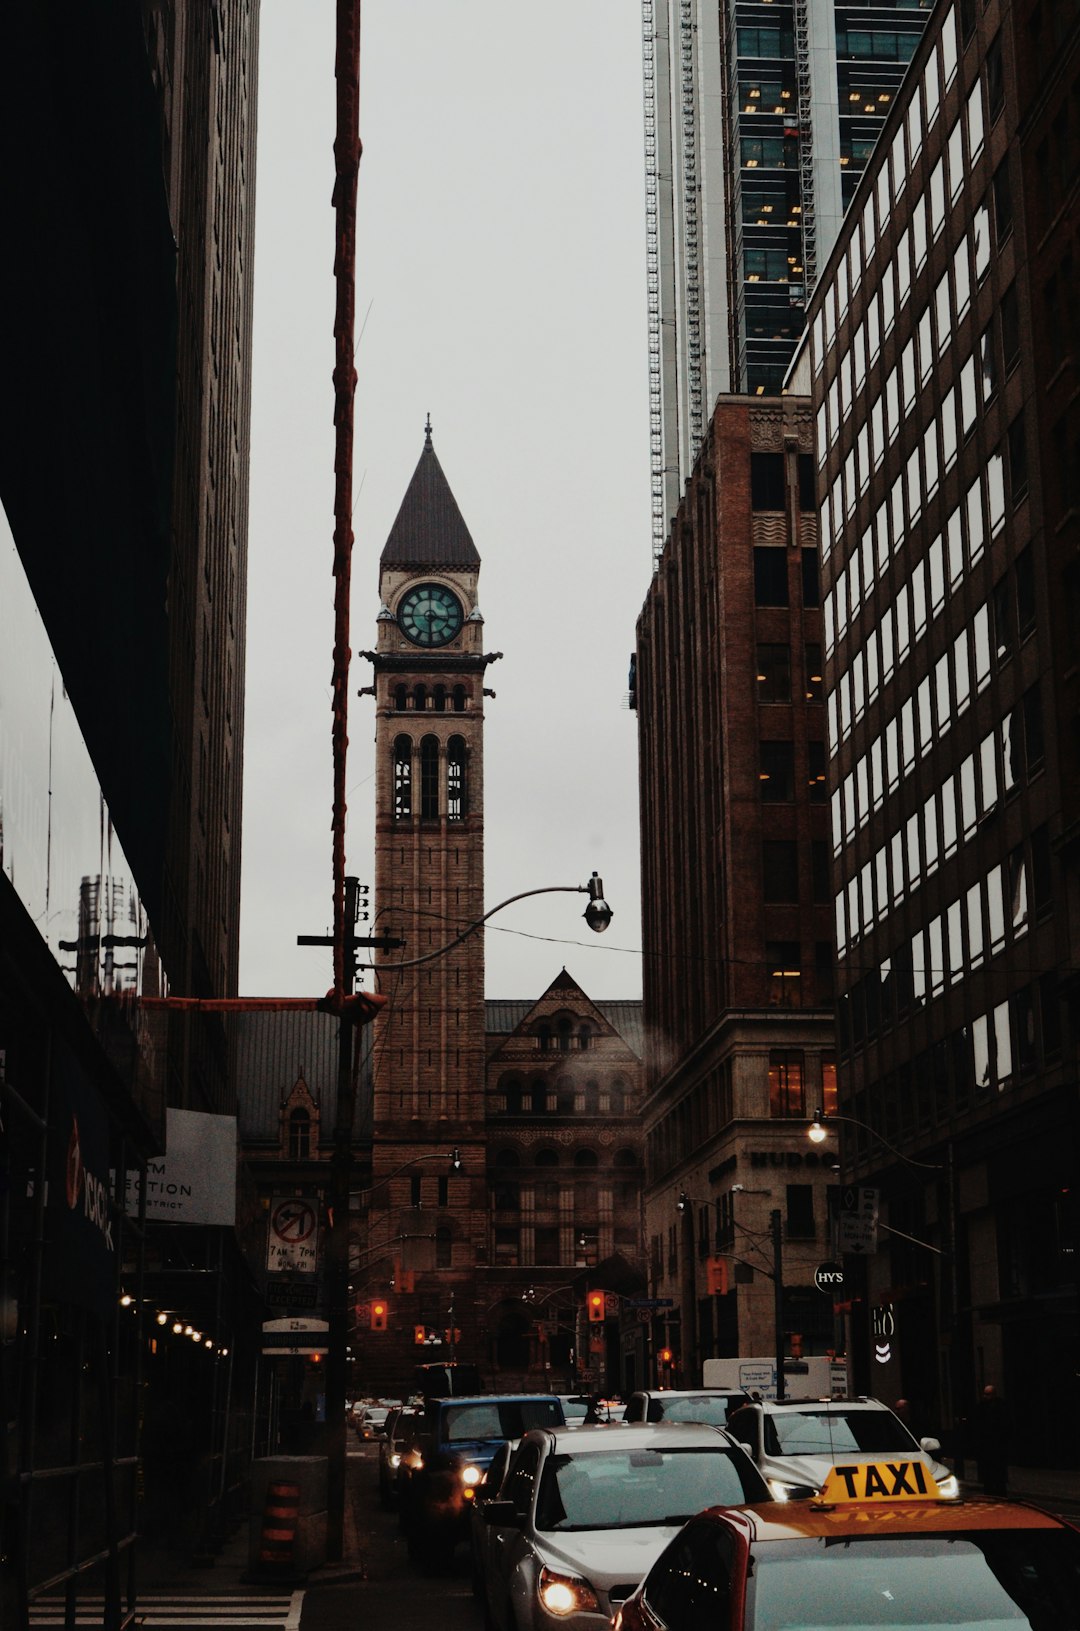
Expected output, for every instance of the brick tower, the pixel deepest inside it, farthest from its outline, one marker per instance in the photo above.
(429, 1046)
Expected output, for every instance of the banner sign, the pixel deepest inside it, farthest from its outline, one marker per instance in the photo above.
(195, 1180)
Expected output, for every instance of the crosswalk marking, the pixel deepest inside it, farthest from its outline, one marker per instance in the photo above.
(236, 1611)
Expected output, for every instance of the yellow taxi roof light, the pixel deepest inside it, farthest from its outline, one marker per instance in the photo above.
(879, 1481)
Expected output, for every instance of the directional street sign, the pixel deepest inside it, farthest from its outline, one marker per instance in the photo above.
(857, 1221)
(650, 1302)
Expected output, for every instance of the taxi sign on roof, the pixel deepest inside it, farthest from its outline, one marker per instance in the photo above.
(880, 1481)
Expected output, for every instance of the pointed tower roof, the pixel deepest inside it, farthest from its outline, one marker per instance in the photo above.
(429, 530)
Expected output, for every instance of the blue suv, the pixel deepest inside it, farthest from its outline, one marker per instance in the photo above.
(453, 1444)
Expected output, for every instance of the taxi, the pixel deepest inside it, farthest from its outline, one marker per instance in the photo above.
(878, 1547)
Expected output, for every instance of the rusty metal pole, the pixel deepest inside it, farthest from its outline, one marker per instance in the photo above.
(346, 170)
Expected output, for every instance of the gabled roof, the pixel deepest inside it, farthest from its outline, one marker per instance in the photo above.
(429, 530)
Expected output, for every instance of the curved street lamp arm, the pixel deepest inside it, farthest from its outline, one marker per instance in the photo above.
(453, 1156)
(819, 1127)
(440, 951)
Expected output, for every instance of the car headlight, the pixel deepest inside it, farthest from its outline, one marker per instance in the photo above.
(471, 1476)
(565, 1593)
(395, 1460)
(949, 1488)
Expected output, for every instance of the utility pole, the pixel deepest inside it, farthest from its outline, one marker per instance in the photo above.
(337, 1244)
(778, 1298)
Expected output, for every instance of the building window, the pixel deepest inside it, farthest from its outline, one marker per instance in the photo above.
(299, 1135)
(784, 972)
(774, 673)
(770, 577)
(811, 578)
(546, 1247)
(456, 800)
(402, 778)
(800, 1211)
(429, 779)
(777, 774)
(816, 768)
(787, 1096)
(780, 865)
(767, 481)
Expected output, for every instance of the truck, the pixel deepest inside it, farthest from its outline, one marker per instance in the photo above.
(817, 1377)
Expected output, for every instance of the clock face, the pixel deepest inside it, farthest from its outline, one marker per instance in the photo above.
(430, 615)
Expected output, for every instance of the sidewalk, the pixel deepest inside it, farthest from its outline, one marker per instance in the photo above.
(1044, 1485)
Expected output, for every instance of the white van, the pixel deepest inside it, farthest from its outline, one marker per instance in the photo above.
(817, 1377)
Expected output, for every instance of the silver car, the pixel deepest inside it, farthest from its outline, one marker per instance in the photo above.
(584, 1512)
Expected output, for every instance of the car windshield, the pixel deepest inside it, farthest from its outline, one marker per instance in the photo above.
(833, 1432)
(622, 1489)
(993, 1581)
(713, 1412)
(499, 1418)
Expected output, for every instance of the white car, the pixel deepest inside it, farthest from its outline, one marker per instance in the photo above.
(584, 1512)
(795, 1444)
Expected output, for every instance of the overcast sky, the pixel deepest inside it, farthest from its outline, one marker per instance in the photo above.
(501, 287)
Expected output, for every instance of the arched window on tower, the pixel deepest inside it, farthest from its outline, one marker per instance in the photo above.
(429, 779)
(403, 778)
(401, 698)
(420, 698)
(440, 699)
(459, 699)
(299, 1135)
(456, 800)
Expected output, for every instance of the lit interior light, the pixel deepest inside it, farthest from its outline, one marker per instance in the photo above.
(178, 1329)
(126, 1300)
(187, 1330)
(196, 1336)
(163, 1319)
(209, 1343)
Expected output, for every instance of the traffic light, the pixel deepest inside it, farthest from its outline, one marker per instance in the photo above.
(596, 1302)
(378, 1314)
(419, 1335)
(716, 1276)
(666, 1356)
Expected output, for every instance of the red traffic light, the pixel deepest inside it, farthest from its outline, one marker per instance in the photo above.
(666, 1356)
(378, 1315)
(596, 1302)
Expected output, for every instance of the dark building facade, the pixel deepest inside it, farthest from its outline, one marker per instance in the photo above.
(943, 365)
(128, 137)
(736, 901)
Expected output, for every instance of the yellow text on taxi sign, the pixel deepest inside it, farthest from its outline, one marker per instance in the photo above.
(880, 1481)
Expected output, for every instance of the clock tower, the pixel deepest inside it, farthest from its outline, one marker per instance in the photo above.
(429, 1042)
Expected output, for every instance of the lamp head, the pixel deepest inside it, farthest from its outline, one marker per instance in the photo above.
(455, 1159)
(683, 1201)
(817, 1132)
(598, 913)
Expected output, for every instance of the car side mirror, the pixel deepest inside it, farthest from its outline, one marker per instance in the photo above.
(932, 1446)
(502, 1514)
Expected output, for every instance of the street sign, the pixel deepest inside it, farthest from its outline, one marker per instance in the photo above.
(295, 1335)
(292, 1239)
(857, 1221)
(650, 1302)
(829, 1278)
(645, 1316)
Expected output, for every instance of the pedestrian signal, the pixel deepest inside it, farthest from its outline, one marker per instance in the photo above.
(666, 1356)
(378, 1315)
(596, 1303)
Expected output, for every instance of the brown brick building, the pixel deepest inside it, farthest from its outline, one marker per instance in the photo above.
(737, 925)
(464, 1241)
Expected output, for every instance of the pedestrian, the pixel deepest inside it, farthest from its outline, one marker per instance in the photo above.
(592, 1414)
(992, 1441)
